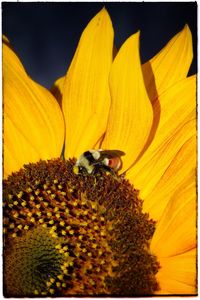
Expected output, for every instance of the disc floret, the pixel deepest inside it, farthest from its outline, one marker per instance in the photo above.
(75, 234)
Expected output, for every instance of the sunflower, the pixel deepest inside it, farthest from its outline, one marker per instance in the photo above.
(126, 234)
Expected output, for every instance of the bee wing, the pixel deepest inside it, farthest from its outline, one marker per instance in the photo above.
(111, 153)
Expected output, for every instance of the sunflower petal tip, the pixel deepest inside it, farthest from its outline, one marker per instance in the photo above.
(134, 38)
(104, 12)
(186, 31)
(138, 34)
(104, 9)
(135, 35)
(186, 27)
(5, 39)
(103, 17)
(187, 36)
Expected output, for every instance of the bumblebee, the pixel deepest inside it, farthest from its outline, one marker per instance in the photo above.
(93, 160)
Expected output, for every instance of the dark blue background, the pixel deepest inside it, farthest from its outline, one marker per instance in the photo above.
(45, 35)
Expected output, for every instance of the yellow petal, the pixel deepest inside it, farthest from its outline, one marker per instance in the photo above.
(170, 65)
(86, 98)
(180, 168)
(177, 108)
(178, 274)
(17, 150)
(130, 116)
(57, 89)
(176, 288)
(176, 231)
(33, 122)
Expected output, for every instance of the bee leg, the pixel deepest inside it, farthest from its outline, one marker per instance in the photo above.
(109, 170)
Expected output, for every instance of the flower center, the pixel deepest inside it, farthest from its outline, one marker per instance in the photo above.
(75, 234)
